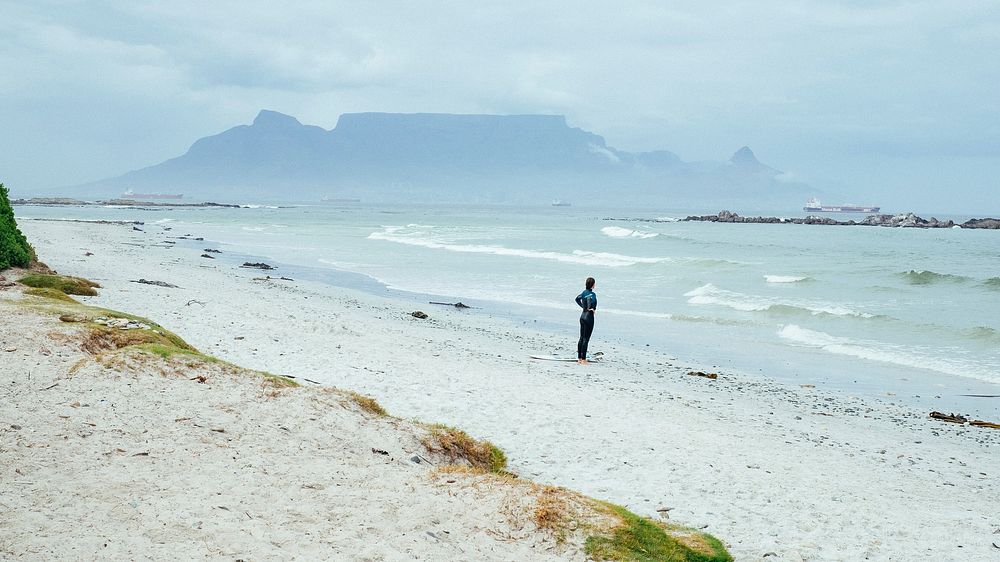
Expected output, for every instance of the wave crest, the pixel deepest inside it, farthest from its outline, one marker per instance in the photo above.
(784, 279)
(875, 351)
(925, 277)
(605, 259)
(709, 294)
(619, 232)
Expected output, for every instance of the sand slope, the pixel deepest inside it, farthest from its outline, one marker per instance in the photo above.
(126, 454)
(138, 461)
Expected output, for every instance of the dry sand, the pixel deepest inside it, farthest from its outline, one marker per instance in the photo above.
(125, 455)
(777, 472)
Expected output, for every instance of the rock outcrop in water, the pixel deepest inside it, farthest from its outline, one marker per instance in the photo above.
(902, 220)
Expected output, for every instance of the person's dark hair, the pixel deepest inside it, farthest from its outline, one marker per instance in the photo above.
(590, 283)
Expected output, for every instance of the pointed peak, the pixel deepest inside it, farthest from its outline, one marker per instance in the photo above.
(744, 155)
(268, 118)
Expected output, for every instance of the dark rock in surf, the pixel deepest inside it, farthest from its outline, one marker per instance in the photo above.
(258, 265)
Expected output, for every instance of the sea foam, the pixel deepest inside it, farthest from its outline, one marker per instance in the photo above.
(619, 232)
(709, 294)
(784, 279)
(943, 361)
(606, 259)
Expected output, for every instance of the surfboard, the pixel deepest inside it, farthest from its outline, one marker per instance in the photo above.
(593, 358)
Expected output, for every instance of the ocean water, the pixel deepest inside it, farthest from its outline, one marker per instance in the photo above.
(902, 314)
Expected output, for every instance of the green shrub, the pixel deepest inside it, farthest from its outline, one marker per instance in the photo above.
(14, 248)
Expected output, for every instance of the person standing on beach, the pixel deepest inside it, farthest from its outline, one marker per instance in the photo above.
(588, 302)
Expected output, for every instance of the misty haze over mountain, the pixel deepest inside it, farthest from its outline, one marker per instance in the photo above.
(426, 157)
(882, 102)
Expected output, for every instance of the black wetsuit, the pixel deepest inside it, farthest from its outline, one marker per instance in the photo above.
(588, 302)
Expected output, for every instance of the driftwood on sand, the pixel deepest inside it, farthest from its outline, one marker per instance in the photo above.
(455, 304)
(960, 419)
(157, 283)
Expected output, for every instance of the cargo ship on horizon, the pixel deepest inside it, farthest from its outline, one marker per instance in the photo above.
(814, 205)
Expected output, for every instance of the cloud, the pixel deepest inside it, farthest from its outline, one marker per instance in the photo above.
(103, 87)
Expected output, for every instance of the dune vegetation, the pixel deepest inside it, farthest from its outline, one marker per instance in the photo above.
(14, 248)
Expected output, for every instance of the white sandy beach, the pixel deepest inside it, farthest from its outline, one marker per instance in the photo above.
(776, 472)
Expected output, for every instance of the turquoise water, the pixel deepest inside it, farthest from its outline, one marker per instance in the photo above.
(904, 312)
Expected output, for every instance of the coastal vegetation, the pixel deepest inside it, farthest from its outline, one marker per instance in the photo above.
(48, 293)
(62, 283)
(639, 539)
(367, 403)
(456, 444)
(14, 248)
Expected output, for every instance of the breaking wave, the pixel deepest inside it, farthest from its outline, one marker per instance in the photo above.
(605, 259)
(983, 333)
(914, 277)
(619, 232)
(709, 294)
(903, 356)
(784, 279)
(992, 283)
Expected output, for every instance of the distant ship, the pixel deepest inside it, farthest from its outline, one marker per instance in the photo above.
(559, 203)
(132, 195)
(813, 205)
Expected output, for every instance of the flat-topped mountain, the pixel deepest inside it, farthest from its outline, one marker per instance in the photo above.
(433, 157)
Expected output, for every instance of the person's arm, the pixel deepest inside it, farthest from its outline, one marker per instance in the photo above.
(594, 307)
(579, 301)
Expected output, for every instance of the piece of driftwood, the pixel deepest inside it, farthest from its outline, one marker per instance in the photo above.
(157, 283)
(712, 376)
(981, 423)
(950, 418)
(455, 304)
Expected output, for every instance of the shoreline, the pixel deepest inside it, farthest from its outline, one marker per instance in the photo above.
(922, 391)
(639, 430)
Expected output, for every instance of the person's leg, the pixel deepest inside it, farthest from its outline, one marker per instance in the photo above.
(581, 352)
(586, 329)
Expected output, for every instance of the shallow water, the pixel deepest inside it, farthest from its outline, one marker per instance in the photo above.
(902, 313)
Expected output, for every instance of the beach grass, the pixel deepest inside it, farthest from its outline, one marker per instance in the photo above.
(639, 539)
(66, 284)
(608, 532)
(48, 293)
(456, 444)
(100, 338)
(367, 403)
(155, 339)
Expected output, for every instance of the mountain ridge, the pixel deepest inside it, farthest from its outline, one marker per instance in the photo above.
(457, 157)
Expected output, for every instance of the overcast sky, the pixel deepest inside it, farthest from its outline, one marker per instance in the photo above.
(897, 103)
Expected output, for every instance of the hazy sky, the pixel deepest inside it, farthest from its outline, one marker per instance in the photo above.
(895, 103)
